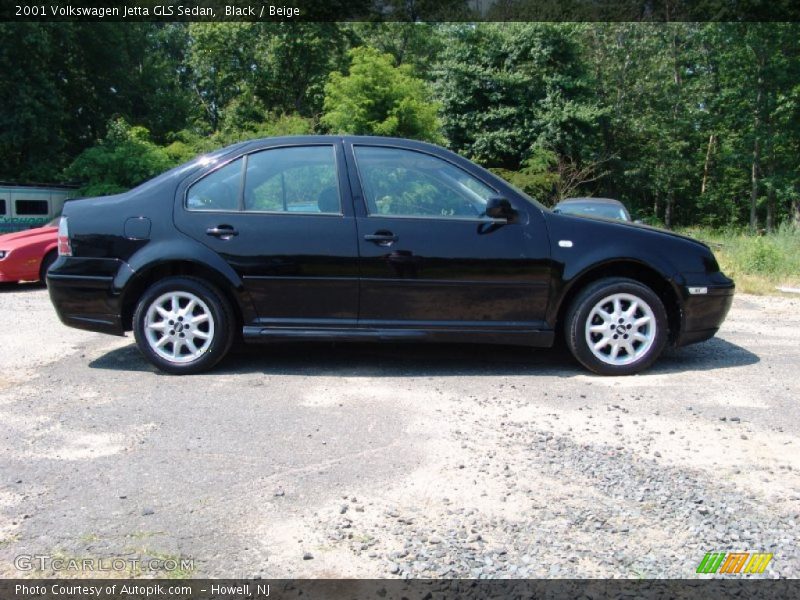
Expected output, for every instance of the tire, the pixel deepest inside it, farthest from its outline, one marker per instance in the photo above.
(47, 262)
(602, 313)
(166, 336)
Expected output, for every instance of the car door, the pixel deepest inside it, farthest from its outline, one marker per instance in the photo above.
(282, 218)
(429, 256)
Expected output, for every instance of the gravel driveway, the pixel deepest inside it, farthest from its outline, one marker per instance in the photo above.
(399, 460)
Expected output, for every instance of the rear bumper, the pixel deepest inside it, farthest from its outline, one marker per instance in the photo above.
(86, 301)
(704, 313)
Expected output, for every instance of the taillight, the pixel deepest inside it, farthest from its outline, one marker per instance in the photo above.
(64, 247)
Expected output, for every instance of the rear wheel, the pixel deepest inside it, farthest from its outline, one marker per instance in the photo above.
(183, 325)
(616, 326)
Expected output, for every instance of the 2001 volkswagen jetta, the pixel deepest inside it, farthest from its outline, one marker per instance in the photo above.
(363, 238)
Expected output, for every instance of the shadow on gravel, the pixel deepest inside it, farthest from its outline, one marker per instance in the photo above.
(33, 286)
(374, 360)
(715, 353)
(440, 360)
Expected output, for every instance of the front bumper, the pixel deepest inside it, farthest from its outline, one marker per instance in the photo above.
(704, 313)
(82, 292)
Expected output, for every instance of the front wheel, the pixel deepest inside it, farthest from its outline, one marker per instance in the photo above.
(183, 325)
(616, 326)
(47, 262)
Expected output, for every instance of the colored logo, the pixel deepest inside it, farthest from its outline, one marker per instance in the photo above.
(734, 562)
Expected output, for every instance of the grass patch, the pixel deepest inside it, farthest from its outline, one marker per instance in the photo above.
(758, 263)
(11, 539)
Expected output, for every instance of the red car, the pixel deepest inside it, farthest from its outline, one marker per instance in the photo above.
(26, 255)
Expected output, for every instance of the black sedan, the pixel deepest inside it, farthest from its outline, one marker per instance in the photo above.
(366, 238)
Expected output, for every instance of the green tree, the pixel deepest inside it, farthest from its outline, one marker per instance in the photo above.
(293, 61)
(414, 43)
(221, 59)
(33, 110)
(508, 88)
(378, 98)
(125, 158)
(60, 83)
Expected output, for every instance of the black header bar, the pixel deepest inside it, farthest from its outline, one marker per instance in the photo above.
(394, 589)
(401, 10)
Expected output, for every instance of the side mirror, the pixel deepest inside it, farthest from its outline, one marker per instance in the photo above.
(498, 207)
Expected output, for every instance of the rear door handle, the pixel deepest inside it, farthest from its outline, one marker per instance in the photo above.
(382, 238)
(223, 232)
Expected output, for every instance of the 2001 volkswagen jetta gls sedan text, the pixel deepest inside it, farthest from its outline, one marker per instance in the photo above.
(365, 238)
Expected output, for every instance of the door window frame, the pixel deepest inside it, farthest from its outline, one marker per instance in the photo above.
(363, 195)
(339, 171)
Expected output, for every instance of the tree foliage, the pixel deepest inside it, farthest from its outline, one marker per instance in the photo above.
(378, 98)
(124, 158)
(687, 123)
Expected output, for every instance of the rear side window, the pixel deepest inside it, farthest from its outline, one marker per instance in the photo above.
(31, 207)
(217, 191)
(299, 179)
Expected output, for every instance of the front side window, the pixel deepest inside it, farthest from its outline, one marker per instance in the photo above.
(405, 183)
(299, 179)
(31, 207)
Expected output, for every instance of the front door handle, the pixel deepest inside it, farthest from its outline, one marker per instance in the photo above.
(382, 238)
(223, 232)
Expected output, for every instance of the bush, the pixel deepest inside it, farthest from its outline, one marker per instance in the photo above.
(761, 256)
(757, 263)
(378, 98)
(123, 159)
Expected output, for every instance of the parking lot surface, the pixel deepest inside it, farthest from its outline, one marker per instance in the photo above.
(363, 460)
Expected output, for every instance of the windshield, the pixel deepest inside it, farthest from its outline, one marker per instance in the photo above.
(594, 209)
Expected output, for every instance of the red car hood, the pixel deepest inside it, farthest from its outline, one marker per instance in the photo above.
(9, 241)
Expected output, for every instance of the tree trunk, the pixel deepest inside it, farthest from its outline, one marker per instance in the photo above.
(770, 210)
(755, 172)
(712, 140)
(668, 210)
(656, 206)
(754, 185)
(795, 213)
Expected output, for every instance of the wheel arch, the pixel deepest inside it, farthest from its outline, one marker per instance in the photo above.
(48, 251)
(143, 278)
(645, 274)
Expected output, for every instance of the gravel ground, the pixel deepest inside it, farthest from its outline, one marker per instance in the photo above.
(364, 460)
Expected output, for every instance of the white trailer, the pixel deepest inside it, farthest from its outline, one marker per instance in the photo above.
(24, 206)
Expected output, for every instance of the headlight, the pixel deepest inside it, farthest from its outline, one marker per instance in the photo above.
(3, 254)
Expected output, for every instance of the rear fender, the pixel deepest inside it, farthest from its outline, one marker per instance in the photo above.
(184, 251)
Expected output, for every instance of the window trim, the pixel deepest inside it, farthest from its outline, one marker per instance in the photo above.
(476, 219)
(30, 214)
(245, 158)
